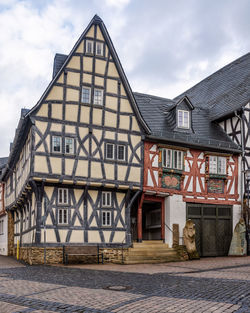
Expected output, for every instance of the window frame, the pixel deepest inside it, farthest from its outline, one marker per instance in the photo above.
(92, 46)
(106, 213)
(63, 194)
(89, 90)
(73, 145)
(124, 152)
(172, 159)
(105, 196)
(63, 222)
(106, 150)
(95, 100)
(101, 44)
(182, 125)
(217, 158)
(52, 143)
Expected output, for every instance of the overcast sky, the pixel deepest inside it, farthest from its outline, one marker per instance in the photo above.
(165, 46)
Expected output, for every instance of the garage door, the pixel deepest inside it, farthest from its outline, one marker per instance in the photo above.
(213, 226)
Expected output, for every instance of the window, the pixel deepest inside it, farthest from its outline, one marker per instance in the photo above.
(110, 151)
(63, 196)
(56, 144)
(172, 159)
(62, 216)
(89, 46)
(106, 218)
(98, 95)
(183, 119)
(121, 152)
(217, 165)
(85, 95)
(106, 199)
(99, 48)
(69, 145)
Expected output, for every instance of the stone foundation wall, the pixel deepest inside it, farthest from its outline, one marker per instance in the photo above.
(54, 255)
(182, 252)
(10, 234)
(35, 255)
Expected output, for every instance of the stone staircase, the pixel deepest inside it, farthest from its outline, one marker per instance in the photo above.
(150, 251)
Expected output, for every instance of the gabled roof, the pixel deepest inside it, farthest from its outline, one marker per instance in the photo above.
(96, 20)
(162, 123)
(224, 91)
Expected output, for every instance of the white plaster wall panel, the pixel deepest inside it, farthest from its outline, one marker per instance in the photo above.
(190, 186)
(150, 181)
(187, 167)
(189, 155)
(198, 188)
(230, 171)
(4, 236)
(175, 213)
(156, 177)
(155, 161)
(236, 214)
(228, 125)
(153, 148)
(203, 168)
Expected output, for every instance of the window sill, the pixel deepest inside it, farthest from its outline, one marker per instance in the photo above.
(172, 170)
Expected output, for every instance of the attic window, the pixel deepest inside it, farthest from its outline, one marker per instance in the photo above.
(89, 46)
(99, 48)
(183, 119)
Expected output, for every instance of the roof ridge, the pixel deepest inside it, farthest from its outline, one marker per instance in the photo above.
(148, 95)
(216, 72)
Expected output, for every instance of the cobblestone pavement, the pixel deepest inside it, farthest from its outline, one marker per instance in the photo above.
(208, 285)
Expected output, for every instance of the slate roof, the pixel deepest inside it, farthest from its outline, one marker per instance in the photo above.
(223, 92)
(160, 117)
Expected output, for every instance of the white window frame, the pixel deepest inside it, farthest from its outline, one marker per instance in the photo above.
(63, 221)
(89, 90)
(168, 159)
(106, 152)
(124, 153)
(105, 219)
(53, 150)
(214, 165)
(96, 100)
(181, 122)
(101, 45)
(106, 199)
(91, 42)
(73, 145)
(65, 192)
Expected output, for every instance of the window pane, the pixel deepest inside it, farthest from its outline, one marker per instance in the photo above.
(85, 95)
(213, 164)
(65, 216)
(109, 151)
(221, 165)
(108, 218)
(175, 159)
(186, 119)
(180, 118)
(60, 216)
(56, 144)
(65, 198)
(108, 199)
(98, 96)
(89, 46)
(103, 218)
(99, 48)
(69, 145)
(121, 153)
(60, 196)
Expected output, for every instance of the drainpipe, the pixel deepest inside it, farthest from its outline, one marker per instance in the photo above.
(242, 172)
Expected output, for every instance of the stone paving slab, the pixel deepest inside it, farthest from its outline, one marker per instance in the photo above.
(207, 285)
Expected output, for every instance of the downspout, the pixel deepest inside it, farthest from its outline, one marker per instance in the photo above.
(242, 172)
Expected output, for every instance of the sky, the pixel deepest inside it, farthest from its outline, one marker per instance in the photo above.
(165, 46)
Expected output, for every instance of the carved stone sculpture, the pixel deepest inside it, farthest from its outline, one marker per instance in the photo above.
(238, 245)
(189, 239)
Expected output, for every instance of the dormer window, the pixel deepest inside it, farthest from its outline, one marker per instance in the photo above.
(183, 119)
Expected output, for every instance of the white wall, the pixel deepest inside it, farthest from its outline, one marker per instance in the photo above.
(236, 214)
(4, 236)
(175, 213)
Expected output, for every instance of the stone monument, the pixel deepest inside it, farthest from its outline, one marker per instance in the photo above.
(189, 239)
(238, 245)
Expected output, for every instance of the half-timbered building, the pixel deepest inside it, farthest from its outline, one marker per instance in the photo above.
(226, 96)
(190, 171)
(3, 215)
(76, 164)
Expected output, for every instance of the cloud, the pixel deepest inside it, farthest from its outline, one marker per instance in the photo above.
(164, 46)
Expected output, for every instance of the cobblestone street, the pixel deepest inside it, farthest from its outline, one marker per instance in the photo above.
(208, 285)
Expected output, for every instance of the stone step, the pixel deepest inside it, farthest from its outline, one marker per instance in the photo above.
(151, 246)
(150, 252)
(150, 261)
(149, 242)
(150, 257)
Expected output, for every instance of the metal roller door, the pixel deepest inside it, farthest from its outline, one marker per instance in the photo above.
(213, 224)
